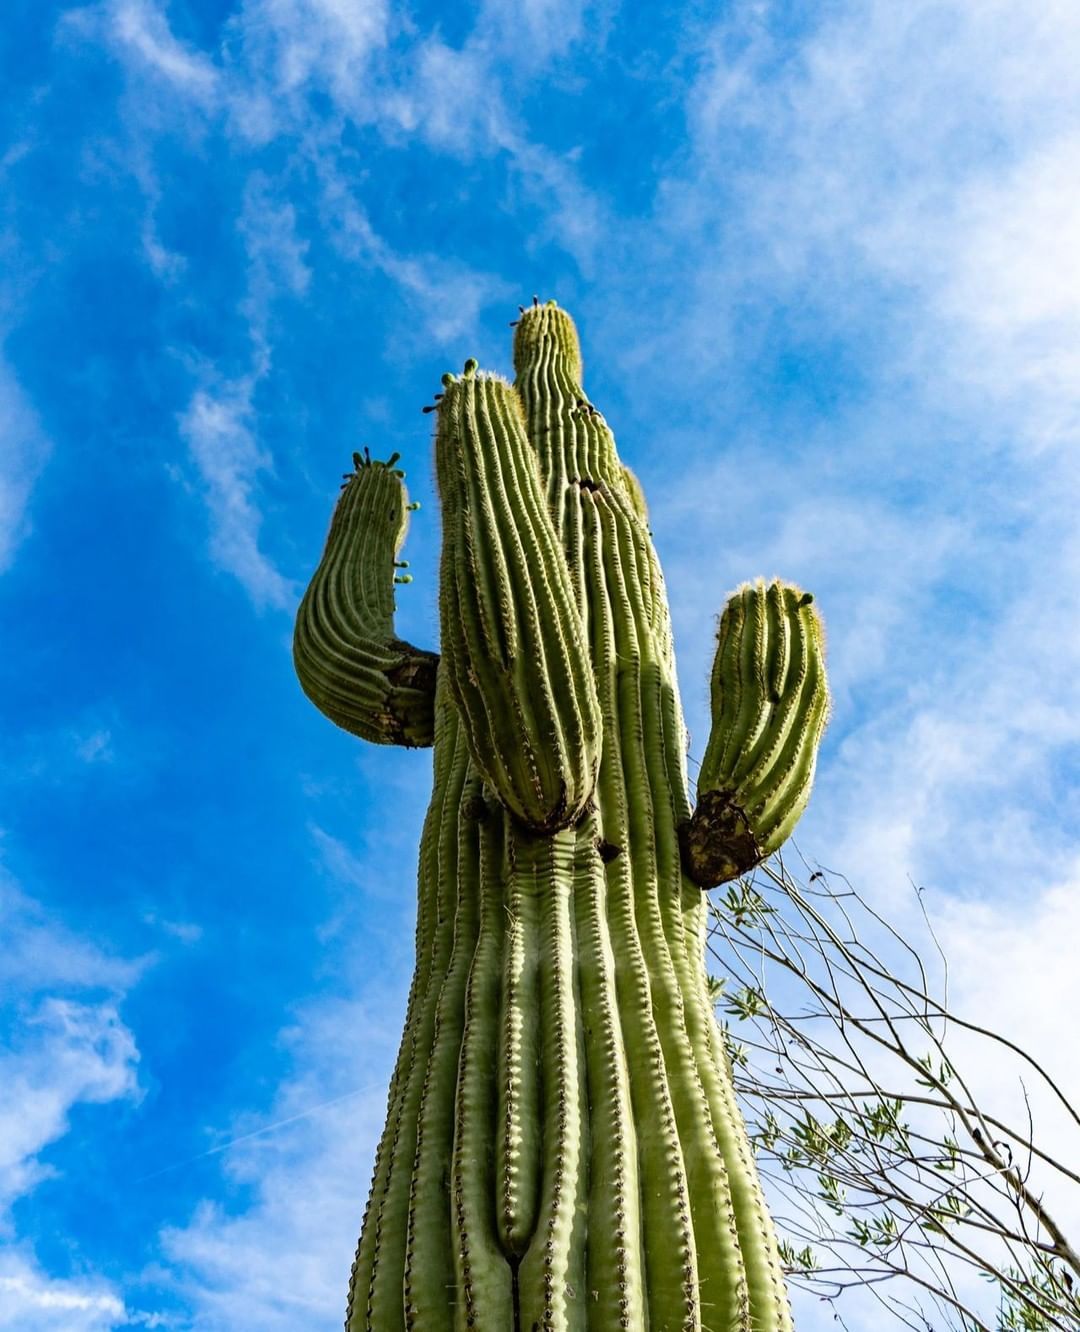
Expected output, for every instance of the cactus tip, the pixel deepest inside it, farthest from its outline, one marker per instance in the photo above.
(392, 459)
(448, 379)
(412, 508)
(536, 300)
(470, 367)
(806, 599)
(356, 458)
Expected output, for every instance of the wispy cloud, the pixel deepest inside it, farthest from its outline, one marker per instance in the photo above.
(23, 455)
(283, 1263)
(42, 955)
(929, 149)
(70, 1048)
(142, 28)
(32, 1301)
(69, 1053)
(899, 184)
(218, 428)
(447, 296)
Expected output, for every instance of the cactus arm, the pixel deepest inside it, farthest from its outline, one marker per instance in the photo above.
(349, 661)
(769, 704)
(512, 636)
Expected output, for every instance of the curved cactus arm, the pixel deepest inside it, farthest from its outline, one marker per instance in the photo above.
(513, 641)
(770, 703)
(350, 662)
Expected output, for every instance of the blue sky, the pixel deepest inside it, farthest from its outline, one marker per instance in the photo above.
(823, 259)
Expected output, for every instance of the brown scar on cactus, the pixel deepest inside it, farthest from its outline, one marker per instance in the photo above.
(563, 1151)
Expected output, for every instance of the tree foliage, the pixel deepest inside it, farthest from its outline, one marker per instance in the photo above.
(889, 1174)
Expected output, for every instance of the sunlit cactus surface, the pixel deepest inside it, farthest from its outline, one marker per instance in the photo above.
(563, 1151)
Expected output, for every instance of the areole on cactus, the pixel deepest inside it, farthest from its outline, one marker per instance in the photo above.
(563, 1151)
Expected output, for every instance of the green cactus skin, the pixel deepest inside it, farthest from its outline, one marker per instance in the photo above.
(563, 1151)
(512, 642)
(770, 703)
(347, 658)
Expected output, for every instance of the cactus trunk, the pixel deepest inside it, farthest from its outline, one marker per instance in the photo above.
(563, 1151)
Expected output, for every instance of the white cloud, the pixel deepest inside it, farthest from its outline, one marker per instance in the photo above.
(142, 29)
(70, 1053)
(24, 450)
(327, 44)
(31, 1301)
(70, 1048)
(284, 1262)
(275, 53)
(187, 932)
(906, 175)
(929, 148)
(95, 747)
(218, 429)
(40, 954)
(447, 296)
(276, 254)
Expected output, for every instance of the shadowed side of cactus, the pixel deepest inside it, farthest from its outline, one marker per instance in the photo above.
(563, 1151)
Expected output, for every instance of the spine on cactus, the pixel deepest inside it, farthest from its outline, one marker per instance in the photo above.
(563, 1151)
(769, 707)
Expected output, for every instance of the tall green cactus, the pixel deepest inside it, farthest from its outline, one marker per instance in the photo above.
(563, 1151)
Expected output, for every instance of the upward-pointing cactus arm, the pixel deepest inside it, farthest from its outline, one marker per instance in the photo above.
(513, 644)
(349, 661)
(770, 702)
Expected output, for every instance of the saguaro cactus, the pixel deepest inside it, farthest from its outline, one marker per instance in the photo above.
(563, 1151)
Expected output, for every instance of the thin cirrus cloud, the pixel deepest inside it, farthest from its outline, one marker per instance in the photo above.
(25, 451)
(217, 428)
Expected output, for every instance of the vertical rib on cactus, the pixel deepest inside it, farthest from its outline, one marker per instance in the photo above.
(563, 1151)
(769, 704)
